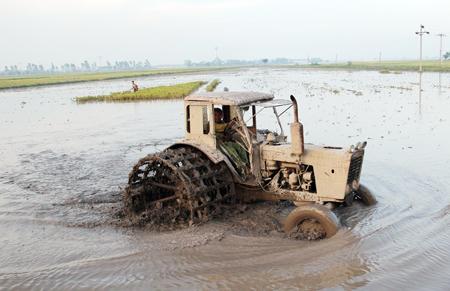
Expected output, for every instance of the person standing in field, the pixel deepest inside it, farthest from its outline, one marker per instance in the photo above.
(135, 87)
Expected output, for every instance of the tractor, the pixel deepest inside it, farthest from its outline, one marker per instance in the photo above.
(195, 179)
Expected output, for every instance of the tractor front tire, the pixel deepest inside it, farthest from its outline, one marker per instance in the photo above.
(365, 195)
(312, 217)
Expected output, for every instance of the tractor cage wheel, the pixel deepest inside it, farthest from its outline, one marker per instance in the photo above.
(180, 186)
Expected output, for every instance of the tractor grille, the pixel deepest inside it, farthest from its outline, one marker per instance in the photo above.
(355, 169)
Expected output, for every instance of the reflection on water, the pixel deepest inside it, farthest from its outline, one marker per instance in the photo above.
(63, 165)
(420, 92)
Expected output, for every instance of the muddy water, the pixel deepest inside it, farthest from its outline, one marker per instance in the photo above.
(62, 166)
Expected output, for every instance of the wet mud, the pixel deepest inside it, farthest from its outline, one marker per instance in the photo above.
(260, 219)
(63, 168)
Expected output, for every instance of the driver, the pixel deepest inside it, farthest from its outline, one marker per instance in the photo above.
(220, 125)
(234, 150)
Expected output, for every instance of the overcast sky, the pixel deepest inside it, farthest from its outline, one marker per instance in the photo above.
(170, 32)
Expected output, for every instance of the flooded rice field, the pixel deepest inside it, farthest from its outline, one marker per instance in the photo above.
(63, 166)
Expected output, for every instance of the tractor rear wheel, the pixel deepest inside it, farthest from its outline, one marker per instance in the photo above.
(314, 219)
(178, 187)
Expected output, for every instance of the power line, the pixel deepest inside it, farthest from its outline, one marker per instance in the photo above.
(410, 46)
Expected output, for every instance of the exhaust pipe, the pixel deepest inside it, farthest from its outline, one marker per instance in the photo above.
(298, 145)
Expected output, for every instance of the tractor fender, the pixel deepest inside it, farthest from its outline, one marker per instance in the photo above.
(215, 156)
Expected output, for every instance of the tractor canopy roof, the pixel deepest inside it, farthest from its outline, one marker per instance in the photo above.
(231, 98)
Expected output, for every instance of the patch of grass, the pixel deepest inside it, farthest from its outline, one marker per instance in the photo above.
(161, 92)
(35, 80)
(213, 85)
(385, 72)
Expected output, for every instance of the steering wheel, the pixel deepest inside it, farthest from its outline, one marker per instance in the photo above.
(230, 130)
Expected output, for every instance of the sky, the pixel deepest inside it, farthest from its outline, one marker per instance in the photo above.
(170, 32)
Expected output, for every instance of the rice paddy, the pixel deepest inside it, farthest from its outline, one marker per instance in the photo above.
(40, 80)
(427, 66)
(160, 92)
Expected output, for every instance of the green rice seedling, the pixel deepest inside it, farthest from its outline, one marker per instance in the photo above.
(213, 85)
(161, 92)
(385, 72)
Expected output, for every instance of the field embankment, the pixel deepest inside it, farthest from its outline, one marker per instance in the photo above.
(40, 80)
(427, 66)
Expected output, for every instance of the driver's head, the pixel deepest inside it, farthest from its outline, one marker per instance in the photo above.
(218, 114)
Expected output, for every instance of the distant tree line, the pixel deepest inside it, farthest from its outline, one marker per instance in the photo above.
(219, 62)
(132, 65)
(277, 61)
(33, 69)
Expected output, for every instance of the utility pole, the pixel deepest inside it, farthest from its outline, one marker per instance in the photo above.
(335, 60)
(101, 71)
(217, 59)
(379, 60)
(440, 53)
(421, 33)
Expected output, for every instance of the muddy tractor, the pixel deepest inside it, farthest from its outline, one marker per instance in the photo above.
(210, 171)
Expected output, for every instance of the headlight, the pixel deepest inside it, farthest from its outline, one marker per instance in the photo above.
(351, 149)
